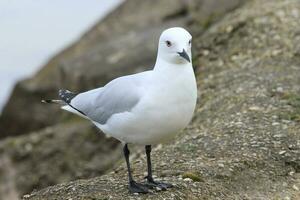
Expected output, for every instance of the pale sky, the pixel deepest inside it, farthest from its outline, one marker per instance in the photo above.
(31, 31)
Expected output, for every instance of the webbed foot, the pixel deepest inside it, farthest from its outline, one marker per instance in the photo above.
(135, 187)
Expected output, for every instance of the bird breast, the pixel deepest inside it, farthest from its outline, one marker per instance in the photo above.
(171, 103)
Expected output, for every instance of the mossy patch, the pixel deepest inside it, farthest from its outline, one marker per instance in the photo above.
(195, 176)
(294, 101)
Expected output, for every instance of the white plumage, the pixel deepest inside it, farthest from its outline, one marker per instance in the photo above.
(148, 107)
(145, 108)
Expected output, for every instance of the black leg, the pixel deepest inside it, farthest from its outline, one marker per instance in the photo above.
(149, 165)
(134, 187)
(150, 181)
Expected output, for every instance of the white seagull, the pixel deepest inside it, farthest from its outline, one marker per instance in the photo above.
(144, 108)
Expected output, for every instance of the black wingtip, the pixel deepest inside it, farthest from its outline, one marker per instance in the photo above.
(46, 101)
(66, 95)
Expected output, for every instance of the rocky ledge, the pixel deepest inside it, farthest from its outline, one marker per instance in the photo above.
(244, 141)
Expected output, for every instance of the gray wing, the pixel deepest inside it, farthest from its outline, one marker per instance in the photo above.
(118, 96)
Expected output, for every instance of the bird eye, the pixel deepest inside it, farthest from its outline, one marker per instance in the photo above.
(168, 43)
(190, 42)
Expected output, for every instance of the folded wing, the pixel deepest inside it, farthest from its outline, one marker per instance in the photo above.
(120, 95)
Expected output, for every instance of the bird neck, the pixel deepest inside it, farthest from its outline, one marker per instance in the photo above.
(166, 67)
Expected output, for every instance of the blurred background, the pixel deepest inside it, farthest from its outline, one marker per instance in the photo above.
(31, 34)
(77, 45)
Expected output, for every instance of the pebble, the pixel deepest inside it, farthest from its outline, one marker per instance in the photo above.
(278, 136)
(275, 124)
(284, 127)
(284, 184)
(187, 180)
(239, 123)
(282, 152)
(234, 57)
(255, 108)
(276, 53)
(229, 29)
(295, 13)
(28, 147)
(277, 37)
(26, 196)
(291, 173)
(221, 165)
(295, 188)
(205, 52)
(279, 89)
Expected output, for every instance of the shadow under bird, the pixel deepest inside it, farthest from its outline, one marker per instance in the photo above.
(146, 108)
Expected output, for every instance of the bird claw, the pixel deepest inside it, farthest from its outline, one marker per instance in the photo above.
(158, 185)
(135, 187)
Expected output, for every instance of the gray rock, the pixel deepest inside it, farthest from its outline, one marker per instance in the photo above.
(56, 154)
(66, 149)
(253, 168)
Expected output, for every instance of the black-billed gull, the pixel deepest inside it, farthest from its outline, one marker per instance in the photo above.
(145, 108)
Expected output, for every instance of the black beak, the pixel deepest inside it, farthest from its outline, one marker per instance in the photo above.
(184, 55)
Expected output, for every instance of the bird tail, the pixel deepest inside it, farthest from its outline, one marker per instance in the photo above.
(65, 95)
(54, 101)
(65, 102)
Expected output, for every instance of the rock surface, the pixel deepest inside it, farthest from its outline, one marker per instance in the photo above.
(62, 147)
(244, 141)
(56, 154)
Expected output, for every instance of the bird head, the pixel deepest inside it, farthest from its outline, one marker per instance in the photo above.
(175, 46)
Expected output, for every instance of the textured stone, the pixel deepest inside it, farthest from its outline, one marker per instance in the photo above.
(224, 130)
